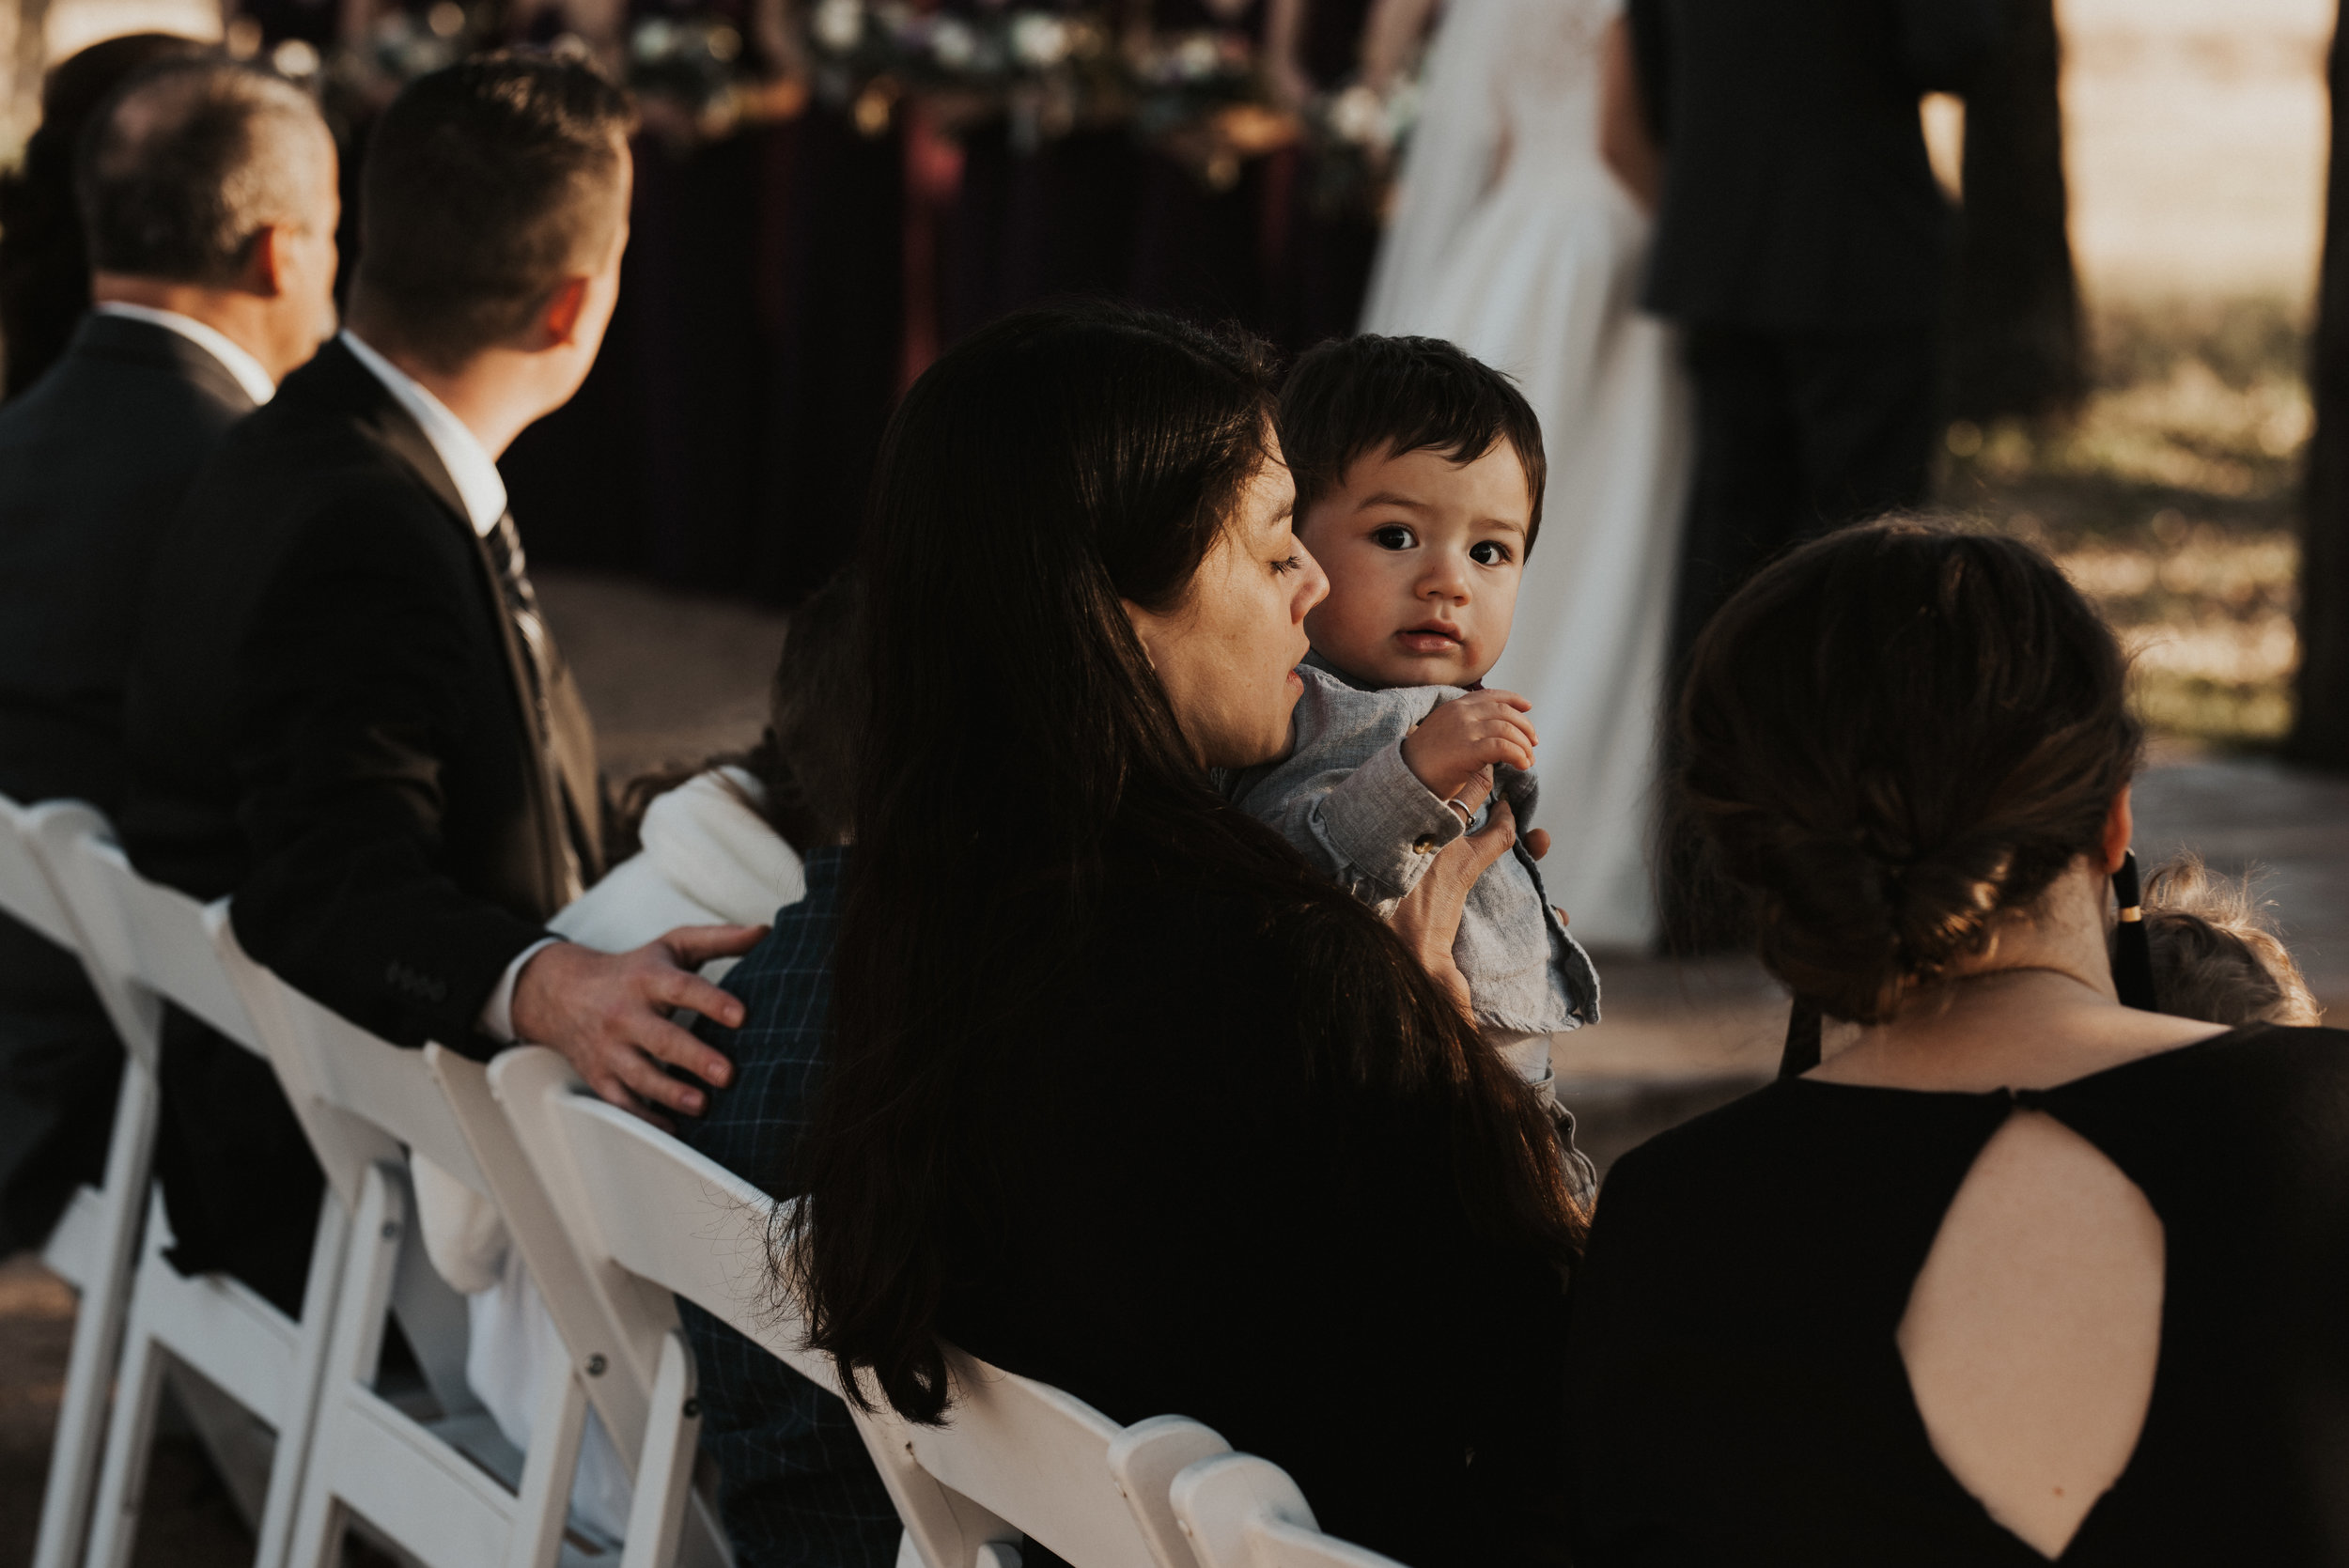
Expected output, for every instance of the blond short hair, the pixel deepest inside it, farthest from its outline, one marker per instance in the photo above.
(2216, 953)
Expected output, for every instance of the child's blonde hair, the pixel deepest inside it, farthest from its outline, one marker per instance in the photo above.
(2217, 956)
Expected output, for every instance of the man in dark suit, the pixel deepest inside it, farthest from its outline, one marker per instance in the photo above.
(1801, 243)
(208, 190)
(347, 711)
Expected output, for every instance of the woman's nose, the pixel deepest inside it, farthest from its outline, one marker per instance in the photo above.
(1313, 584)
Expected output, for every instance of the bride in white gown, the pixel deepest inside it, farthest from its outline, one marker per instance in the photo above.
(1514, 239)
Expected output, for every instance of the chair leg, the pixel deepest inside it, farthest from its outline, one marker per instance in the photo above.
(73, 1459)
(340, 1343)
(122, 1476)
(542, 1503)
(664, 1474)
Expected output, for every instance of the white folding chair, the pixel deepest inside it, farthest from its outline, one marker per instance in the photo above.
(654, 1219)
(1238, 1510)
(94, 1246)
(145, 944)
(444, 1486)
(602, 1318)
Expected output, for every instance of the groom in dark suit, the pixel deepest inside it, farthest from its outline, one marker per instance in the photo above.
(347, 711)
(1801, 243)
(208, 191)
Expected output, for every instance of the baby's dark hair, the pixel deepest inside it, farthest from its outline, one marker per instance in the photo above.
(1352, 396)
(2216, 956)
(806, 761)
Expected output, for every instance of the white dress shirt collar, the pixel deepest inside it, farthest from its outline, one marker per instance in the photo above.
(243, 366)
(470, 466)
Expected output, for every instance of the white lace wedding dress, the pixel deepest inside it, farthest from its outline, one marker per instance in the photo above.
(1511, 239)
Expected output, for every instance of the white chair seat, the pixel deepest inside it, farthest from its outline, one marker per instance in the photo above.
(650, 1219)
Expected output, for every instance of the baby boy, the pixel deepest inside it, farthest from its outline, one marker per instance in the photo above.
(1419, 488)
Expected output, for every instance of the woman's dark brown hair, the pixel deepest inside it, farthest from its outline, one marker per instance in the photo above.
(1893, 737)
(1017, 743)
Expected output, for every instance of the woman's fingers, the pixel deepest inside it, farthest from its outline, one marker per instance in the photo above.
(1428, 918)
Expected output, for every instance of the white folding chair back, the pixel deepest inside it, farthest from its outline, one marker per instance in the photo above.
(443, 1487)
(26, 894)
(143, 944)
(654, 1217)
(1238, 1510)
(94, 1246)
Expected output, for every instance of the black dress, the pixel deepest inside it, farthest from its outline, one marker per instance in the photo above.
(1739, 1397)
(1195, 1227)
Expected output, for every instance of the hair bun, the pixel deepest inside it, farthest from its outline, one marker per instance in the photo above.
(1894, 736)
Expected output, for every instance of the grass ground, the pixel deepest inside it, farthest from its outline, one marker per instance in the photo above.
(2171, 499)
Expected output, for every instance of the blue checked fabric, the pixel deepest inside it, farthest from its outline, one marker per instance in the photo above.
(796, 1489)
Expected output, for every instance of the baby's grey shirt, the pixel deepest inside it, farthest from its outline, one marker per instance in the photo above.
(1345, 797)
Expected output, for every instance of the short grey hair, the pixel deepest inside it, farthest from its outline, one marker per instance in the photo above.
(187, 162)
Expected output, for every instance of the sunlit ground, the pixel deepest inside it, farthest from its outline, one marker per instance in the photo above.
(2171, 500)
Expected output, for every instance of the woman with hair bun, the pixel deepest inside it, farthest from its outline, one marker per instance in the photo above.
(2019, 1274)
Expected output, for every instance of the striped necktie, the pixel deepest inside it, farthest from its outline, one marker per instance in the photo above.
(548, 679)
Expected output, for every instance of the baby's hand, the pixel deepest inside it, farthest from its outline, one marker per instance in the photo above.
(1467, 735)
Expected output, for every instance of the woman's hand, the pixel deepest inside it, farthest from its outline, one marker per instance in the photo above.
(1428, 917)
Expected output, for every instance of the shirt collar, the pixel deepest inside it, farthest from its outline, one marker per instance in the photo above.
(470, 467)
(240, 365)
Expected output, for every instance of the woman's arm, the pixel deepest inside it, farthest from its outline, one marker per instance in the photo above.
(1623, 140)
(1391, 31)
(1284, 72)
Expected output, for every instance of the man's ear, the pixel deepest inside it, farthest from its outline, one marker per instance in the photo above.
(559, 322)
(265, 261)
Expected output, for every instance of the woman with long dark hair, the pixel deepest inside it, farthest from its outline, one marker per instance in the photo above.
(2019, 1274)
(1126, 1096)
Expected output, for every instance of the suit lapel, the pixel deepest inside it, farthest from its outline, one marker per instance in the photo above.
(559, 749)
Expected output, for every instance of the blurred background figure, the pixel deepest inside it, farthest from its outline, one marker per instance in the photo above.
(44, 269)
(1518, 234)
(1802, 243)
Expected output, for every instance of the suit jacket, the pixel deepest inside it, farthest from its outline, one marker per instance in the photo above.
(93, 462)
(1798, 194)
(331, 716)
(93, 459)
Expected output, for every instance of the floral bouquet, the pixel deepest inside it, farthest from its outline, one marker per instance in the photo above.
(1047, 69)
(1357, 134)
(692, 62)
(1200, 99)
(398, 47)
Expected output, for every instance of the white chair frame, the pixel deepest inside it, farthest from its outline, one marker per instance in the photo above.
(602, 1323)
(94, 1246)
(145, 944)
(426, 1484)
(1238, 1510)
(654, 1219)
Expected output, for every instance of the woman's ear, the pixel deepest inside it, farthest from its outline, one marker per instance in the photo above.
(1148, 626)
(2120, 829)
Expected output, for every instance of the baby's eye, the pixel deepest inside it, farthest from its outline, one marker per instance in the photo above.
(1489, 552)
(1394, 536)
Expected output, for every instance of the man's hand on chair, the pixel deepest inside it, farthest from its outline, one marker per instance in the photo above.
(608, 1014)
